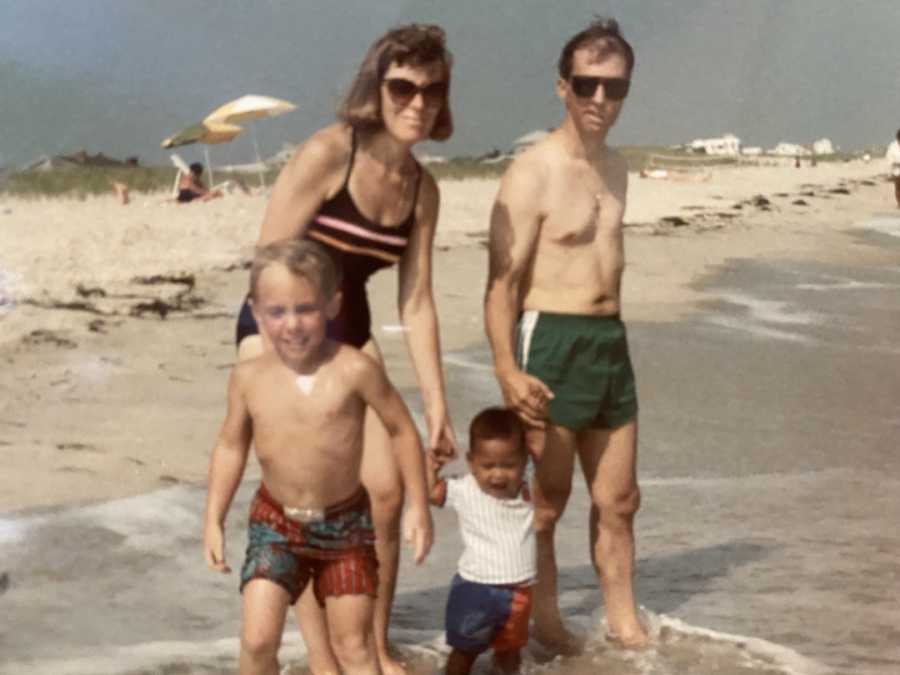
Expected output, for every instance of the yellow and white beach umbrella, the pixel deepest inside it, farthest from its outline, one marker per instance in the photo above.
(204, 132)
(250, 107)
(247, 108)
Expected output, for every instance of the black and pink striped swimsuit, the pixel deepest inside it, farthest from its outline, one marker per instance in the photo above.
(361, 247)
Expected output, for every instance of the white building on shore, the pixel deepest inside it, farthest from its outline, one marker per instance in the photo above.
(785, 149)
(823, 146)
(728, 145)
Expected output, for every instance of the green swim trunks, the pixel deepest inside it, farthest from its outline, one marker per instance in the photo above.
(584, 360)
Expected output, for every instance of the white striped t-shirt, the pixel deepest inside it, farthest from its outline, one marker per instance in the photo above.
(498, 540)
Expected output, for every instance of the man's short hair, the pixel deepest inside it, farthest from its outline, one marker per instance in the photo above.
(196, 168)
(604, 36)
(412, 45)
(497, 423)
(302, 258)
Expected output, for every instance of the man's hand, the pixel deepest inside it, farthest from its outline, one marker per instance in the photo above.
(418, 532)
(527, 395)
(214, 548)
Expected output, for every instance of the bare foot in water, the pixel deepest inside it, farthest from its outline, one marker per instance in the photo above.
(390, 662)
(559, 640)
(635, 641)
(633, 637)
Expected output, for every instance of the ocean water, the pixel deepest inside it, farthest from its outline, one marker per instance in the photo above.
(767, 540)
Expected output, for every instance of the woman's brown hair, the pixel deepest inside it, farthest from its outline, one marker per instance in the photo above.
(412, 45)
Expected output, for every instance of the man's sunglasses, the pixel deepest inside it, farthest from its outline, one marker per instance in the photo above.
(403, 91)
(615, 88)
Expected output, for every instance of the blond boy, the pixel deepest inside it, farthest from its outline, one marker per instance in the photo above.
(302, 404)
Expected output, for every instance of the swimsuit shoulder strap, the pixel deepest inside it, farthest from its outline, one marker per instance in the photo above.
(352, 158)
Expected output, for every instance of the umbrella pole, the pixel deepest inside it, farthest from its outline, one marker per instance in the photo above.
(208, 166)
(262, 172)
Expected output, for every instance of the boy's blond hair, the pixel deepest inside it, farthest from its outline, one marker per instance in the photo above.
(302, 258)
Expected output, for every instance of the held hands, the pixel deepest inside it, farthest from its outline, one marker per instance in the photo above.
(527, 395)
(214, 548)
(418, 532)
(441, 437)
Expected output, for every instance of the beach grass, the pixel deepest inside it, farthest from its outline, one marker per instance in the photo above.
(82, 182)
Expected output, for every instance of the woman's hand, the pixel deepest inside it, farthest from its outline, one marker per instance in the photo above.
(441, 437)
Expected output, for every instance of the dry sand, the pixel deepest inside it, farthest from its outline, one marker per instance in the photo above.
(118, 320)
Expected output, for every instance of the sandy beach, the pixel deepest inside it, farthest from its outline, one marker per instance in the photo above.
(118, 335)
(117, 320)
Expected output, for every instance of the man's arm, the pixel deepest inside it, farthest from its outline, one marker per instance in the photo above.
(377, 392)
(226, 467)
(515, 225)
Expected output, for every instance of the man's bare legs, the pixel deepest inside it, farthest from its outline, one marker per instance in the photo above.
(609, 463)
(263, 608)
(554, 454)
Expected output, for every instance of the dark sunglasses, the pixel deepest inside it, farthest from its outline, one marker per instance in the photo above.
(403, 91)
(615, 88)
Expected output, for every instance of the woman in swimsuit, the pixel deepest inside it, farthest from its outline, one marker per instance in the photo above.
(356, 188)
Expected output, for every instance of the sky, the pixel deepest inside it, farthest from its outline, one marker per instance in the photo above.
(118, 76)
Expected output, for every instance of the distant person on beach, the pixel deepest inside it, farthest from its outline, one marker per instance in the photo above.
(356, 188)
(490, 596)
(191, 186)
(552, 317)
(892, 156)
(303, 405)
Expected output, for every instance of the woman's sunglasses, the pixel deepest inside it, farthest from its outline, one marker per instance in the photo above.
(615, 88)
(403, 91)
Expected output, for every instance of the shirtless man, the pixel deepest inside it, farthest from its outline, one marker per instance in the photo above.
(556, 262)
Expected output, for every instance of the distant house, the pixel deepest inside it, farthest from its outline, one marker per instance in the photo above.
(729, 145)
(823, 146)
(752, 151)
(790, 150)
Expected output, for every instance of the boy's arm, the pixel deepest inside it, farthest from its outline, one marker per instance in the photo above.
(226, 467)
(377, 392)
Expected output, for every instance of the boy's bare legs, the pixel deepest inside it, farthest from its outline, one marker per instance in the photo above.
(609, 462)
(459, 663)
(319, 656)
(381, 477)
(554, 454)
(350, 627)
(263, 608)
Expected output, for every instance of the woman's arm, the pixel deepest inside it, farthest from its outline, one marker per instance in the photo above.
(313, 174)
(378, 393)
(419, 315)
